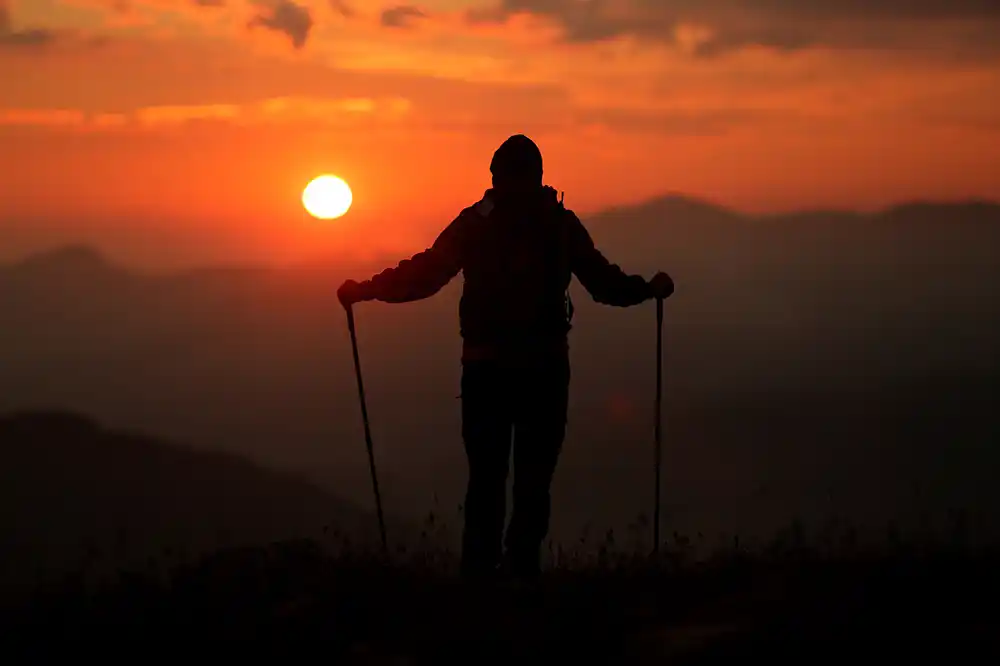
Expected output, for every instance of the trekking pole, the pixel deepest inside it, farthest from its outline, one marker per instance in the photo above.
(368, 431)
(657, 433)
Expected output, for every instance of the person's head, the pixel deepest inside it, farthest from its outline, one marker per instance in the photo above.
(517, 165)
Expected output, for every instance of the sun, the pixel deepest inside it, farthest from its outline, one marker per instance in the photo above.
(327, 197)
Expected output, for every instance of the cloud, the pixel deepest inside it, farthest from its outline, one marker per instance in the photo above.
(492, 80)
(884, 9)
(179, 114)
(343, 8)
(328, 110)
(151, 117)
(682, 122)
(292, 109)
(402, 16)
(786, 25)
(32, 37)
(109, 120)
(286, 17)
(42, 117)
(27, 38)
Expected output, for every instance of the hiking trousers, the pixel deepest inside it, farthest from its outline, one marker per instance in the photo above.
(518, 406)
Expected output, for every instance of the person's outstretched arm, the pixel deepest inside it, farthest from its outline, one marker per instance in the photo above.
(422, 275)
(607, 283)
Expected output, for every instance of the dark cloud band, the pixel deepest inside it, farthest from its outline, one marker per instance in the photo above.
(732, 24)
(286, 17)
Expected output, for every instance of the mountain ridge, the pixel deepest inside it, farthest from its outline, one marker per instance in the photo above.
(82, 258)
(84, 481)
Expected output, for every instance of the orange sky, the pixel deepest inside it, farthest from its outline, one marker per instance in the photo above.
(189, 127)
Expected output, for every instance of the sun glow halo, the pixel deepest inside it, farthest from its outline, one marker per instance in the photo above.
(327, 197)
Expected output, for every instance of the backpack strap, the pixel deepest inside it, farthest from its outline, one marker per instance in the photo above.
(564, 241)
(485, 206)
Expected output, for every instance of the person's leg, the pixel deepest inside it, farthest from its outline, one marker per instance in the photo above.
(539, 429)
(486, 430)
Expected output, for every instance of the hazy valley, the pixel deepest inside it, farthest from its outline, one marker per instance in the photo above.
(816, 365)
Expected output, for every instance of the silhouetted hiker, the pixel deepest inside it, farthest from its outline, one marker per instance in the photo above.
(518, 248)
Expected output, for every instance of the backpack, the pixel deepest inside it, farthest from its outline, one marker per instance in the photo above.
(558, 264)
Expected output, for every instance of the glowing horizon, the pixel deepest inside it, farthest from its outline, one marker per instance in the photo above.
(205, 119)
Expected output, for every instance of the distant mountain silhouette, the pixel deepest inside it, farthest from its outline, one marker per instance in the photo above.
(69, 487)
(671, 217)
(676, 223)
(77, 256)
(981, 211)
(693, 211)
(672, 207)
(69, 263)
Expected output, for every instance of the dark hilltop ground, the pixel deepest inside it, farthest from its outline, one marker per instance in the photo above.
(809, 596)
(294, 599)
